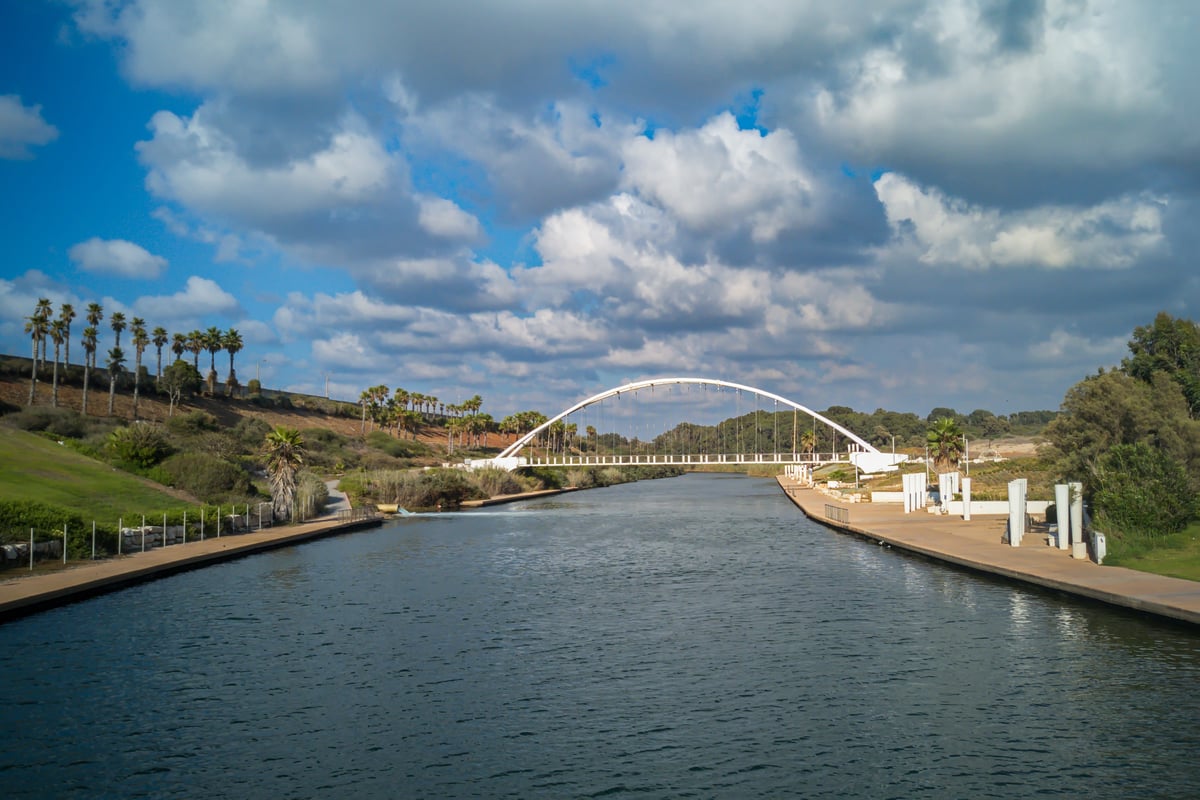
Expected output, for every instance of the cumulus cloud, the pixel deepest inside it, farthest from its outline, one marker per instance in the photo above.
(949, 231)
(117, 257)
(720, 177)
(22, 127)
(444, 218)
(201, 298)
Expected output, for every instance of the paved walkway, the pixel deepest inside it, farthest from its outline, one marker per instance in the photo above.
(30, 593)
(978, 545)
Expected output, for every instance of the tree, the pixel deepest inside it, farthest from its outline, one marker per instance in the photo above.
(808, 443)
(177, 379)
(940, 413)
(140, 342)
(214, 342)
(116, 362)
(1139, 491)
(195, 345)
(58, 334)
(89, 359)
(66, 313)
(232, 341)
(1171, 346)
(285, 452)
(179, 345)
(160, 339)
(44, 310)
(36, 327)
(117, 322)
(945, 443)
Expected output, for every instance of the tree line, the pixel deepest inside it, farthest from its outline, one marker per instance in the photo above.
(44, 328)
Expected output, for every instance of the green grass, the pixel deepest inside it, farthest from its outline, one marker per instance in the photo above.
(36, 468)
(1176, 556)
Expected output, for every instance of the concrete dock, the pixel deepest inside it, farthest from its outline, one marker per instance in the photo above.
(26, 594)
(978, 545)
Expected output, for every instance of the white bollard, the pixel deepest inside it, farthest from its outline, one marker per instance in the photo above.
(1062, 507)
(966, 496)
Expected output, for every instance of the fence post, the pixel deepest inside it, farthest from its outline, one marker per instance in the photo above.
(185, 526)
(64, 544)
(143, 533)
(31, 549)
(164, 539)
(120, 533)
(247, 517)
(218, 522)
(93, 540)
(202, 523)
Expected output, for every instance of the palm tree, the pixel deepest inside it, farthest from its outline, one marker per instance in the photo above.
(285, 454)
(66, 312)
(35, 326)
(160, 339)
(117, 321)
(94, 316)
(45, 310)
(116, 361)
(232, 341)
(945, 443)
(195, 345)
(212, 340)
(140, 341)
(89, 359)
(808, 443)
(179, 344)
(58, 333)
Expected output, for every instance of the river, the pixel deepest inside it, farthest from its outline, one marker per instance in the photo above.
(688, 637)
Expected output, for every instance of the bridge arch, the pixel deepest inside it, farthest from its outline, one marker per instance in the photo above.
(516, 447)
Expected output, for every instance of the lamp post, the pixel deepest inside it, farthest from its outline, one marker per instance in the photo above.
(967, 454)
(258, 370)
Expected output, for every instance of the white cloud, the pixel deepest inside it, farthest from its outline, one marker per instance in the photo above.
(197, 164)
(200, 298)
(946, 230)
(720, 177)
(444, 218)
(1063, 347)
(21, 127)
(117, 257)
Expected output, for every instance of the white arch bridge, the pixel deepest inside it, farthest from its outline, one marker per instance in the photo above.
(523, 452)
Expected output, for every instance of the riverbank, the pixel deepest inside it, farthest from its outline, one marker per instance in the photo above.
(28, 594)
(977, 545)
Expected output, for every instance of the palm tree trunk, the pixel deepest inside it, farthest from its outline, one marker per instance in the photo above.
(33, 373)
(86, 374)
(54, 393)
(112, 390)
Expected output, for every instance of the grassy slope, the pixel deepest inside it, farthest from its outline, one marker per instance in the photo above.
(1178, 556)
(36, 468)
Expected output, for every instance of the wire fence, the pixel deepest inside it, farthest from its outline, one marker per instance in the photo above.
(137, 534)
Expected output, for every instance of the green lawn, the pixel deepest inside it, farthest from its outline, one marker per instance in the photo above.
(1177, 556)
(36, 468)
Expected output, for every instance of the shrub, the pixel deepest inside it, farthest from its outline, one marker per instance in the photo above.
(311, 494)
(251, 432)
(62, 422)
(497, 481)
(141, 445)
(207, 477)
(254, 387)
(1139, 491)
(192, 423)
(397, 448)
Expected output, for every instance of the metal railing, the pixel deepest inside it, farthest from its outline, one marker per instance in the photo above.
(837, 514)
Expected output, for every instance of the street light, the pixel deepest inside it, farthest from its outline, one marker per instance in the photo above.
(258, 370)
(967, 454)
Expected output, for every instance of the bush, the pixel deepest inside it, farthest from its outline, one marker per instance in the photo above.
(47, 521)
(397, 448)
(207, 477)
(61, 422)
(254, 387)
(1139, 491)
(494, 482)
(140, 445)
(412, 489)
(193, 423)
(311, 494)
(251, 432)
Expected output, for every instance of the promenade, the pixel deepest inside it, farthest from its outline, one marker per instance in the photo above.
(978, 545)
(21, 595)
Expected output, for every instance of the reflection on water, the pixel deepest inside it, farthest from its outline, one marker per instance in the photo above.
(693, 636)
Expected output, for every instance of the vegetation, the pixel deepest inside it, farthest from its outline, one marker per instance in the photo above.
(1132, 437)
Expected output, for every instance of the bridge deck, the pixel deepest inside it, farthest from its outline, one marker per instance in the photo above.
(690, 459)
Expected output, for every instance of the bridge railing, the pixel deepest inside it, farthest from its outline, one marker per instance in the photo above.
(614, 459)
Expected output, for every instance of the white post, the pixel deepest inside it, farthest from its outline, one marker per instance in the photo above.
(966, 495)
(143, 533)
(202, 523)
(247, 516)
(120, 533)
(218, 522)
(1016, 511)
(1078, 546)
(93, 540)
(64, 544)
(185, 526)
(31, 549)
(164, 539)
(1062, 509)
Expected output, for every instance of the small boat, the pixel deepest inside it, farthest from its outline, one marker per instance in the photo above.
(387, 508)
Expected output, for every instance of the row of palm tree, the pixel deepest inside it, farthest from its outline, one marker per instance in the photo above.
(402, 410)
(42, 327)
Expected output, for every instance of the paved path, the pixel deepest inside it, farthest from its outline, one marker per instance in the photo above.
(30, 593)
(978, 545)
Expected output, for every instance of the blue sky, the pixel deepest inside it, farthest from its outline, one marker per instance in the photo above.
(903, 205)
